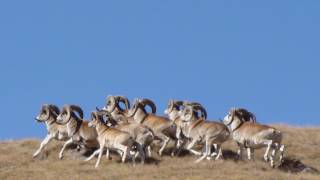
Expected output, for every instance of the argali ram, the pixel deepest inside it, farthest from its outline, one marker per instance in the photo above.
(48, 114)
(162, 127)
(78, 130)
(196, 128)
(173, 111)
(113, 138)
(141, 133)
(252, 136)
(129, 131)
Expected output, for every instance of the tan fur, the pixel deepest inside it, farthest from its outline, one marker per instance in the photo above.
(162, 127)
(199, 130)
(112, 138)
(82, 135)
(54, 130)
(253, 135)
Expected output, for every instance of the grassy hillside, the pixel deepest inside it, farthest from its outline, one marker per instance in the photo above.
(303, 144)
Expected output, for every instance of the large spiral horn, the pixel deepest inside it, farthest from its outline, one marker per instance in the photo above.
(124, 100)
(77, 109)
(187, 103)
(100, 114)
(148, 102)
(178, 104)
(246, 115)
(202, 110)
(54, 109)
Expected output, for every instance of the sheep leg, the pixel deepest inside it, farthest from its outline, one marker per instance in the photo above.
(124, 155)
(250, 153)
(108, 154)
(206, 152)
(142, 153)
(176, 148)
(149, 151)
(240, 151)
(190, 145)
(219, 152)
(92, 155)
(269, 143)
(214, 153)
(128, 150)
(165, 143)
(281, 152)
(70, 141)
(46, 140)
(100, 155)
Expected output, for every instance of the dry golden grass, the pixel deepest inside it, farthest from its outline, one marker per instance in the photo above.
(16, 162)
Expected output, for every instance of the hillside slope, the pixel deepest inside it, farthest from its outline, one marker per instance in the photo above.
(303, 144)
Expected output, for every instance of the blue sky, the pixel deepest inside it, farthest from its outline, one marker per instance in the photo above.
(263, 56)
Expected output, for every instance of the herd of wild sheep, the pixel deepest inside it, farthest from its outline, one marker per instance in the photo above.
(130, 132)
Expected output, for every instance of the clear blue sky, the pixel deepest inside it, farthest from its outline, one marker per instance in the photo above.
(260, 55)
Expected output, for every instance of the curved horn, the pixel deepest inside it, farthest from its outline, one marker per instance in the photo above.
(54, 109)
(202, 110)
(187, 103)
(124, 100)
(246, 115)
(148, 102)
(178, 103)
(195, 104)
(77, 109)
(111, 101)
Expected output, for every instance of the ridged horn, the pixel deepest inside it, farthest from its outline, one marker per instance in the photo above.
(54, 109)
(77, 109)
(148, 102)
(124, 100)
(178, 103)
(202, 110)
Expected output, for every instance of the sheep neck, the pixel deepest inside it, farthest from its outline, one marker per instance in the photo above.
(101, 128)
(140, 115)
(73, 126)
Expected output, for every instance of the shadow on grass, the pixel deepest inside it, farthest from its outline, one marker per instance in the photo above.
(230, 155)
(292, 165)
